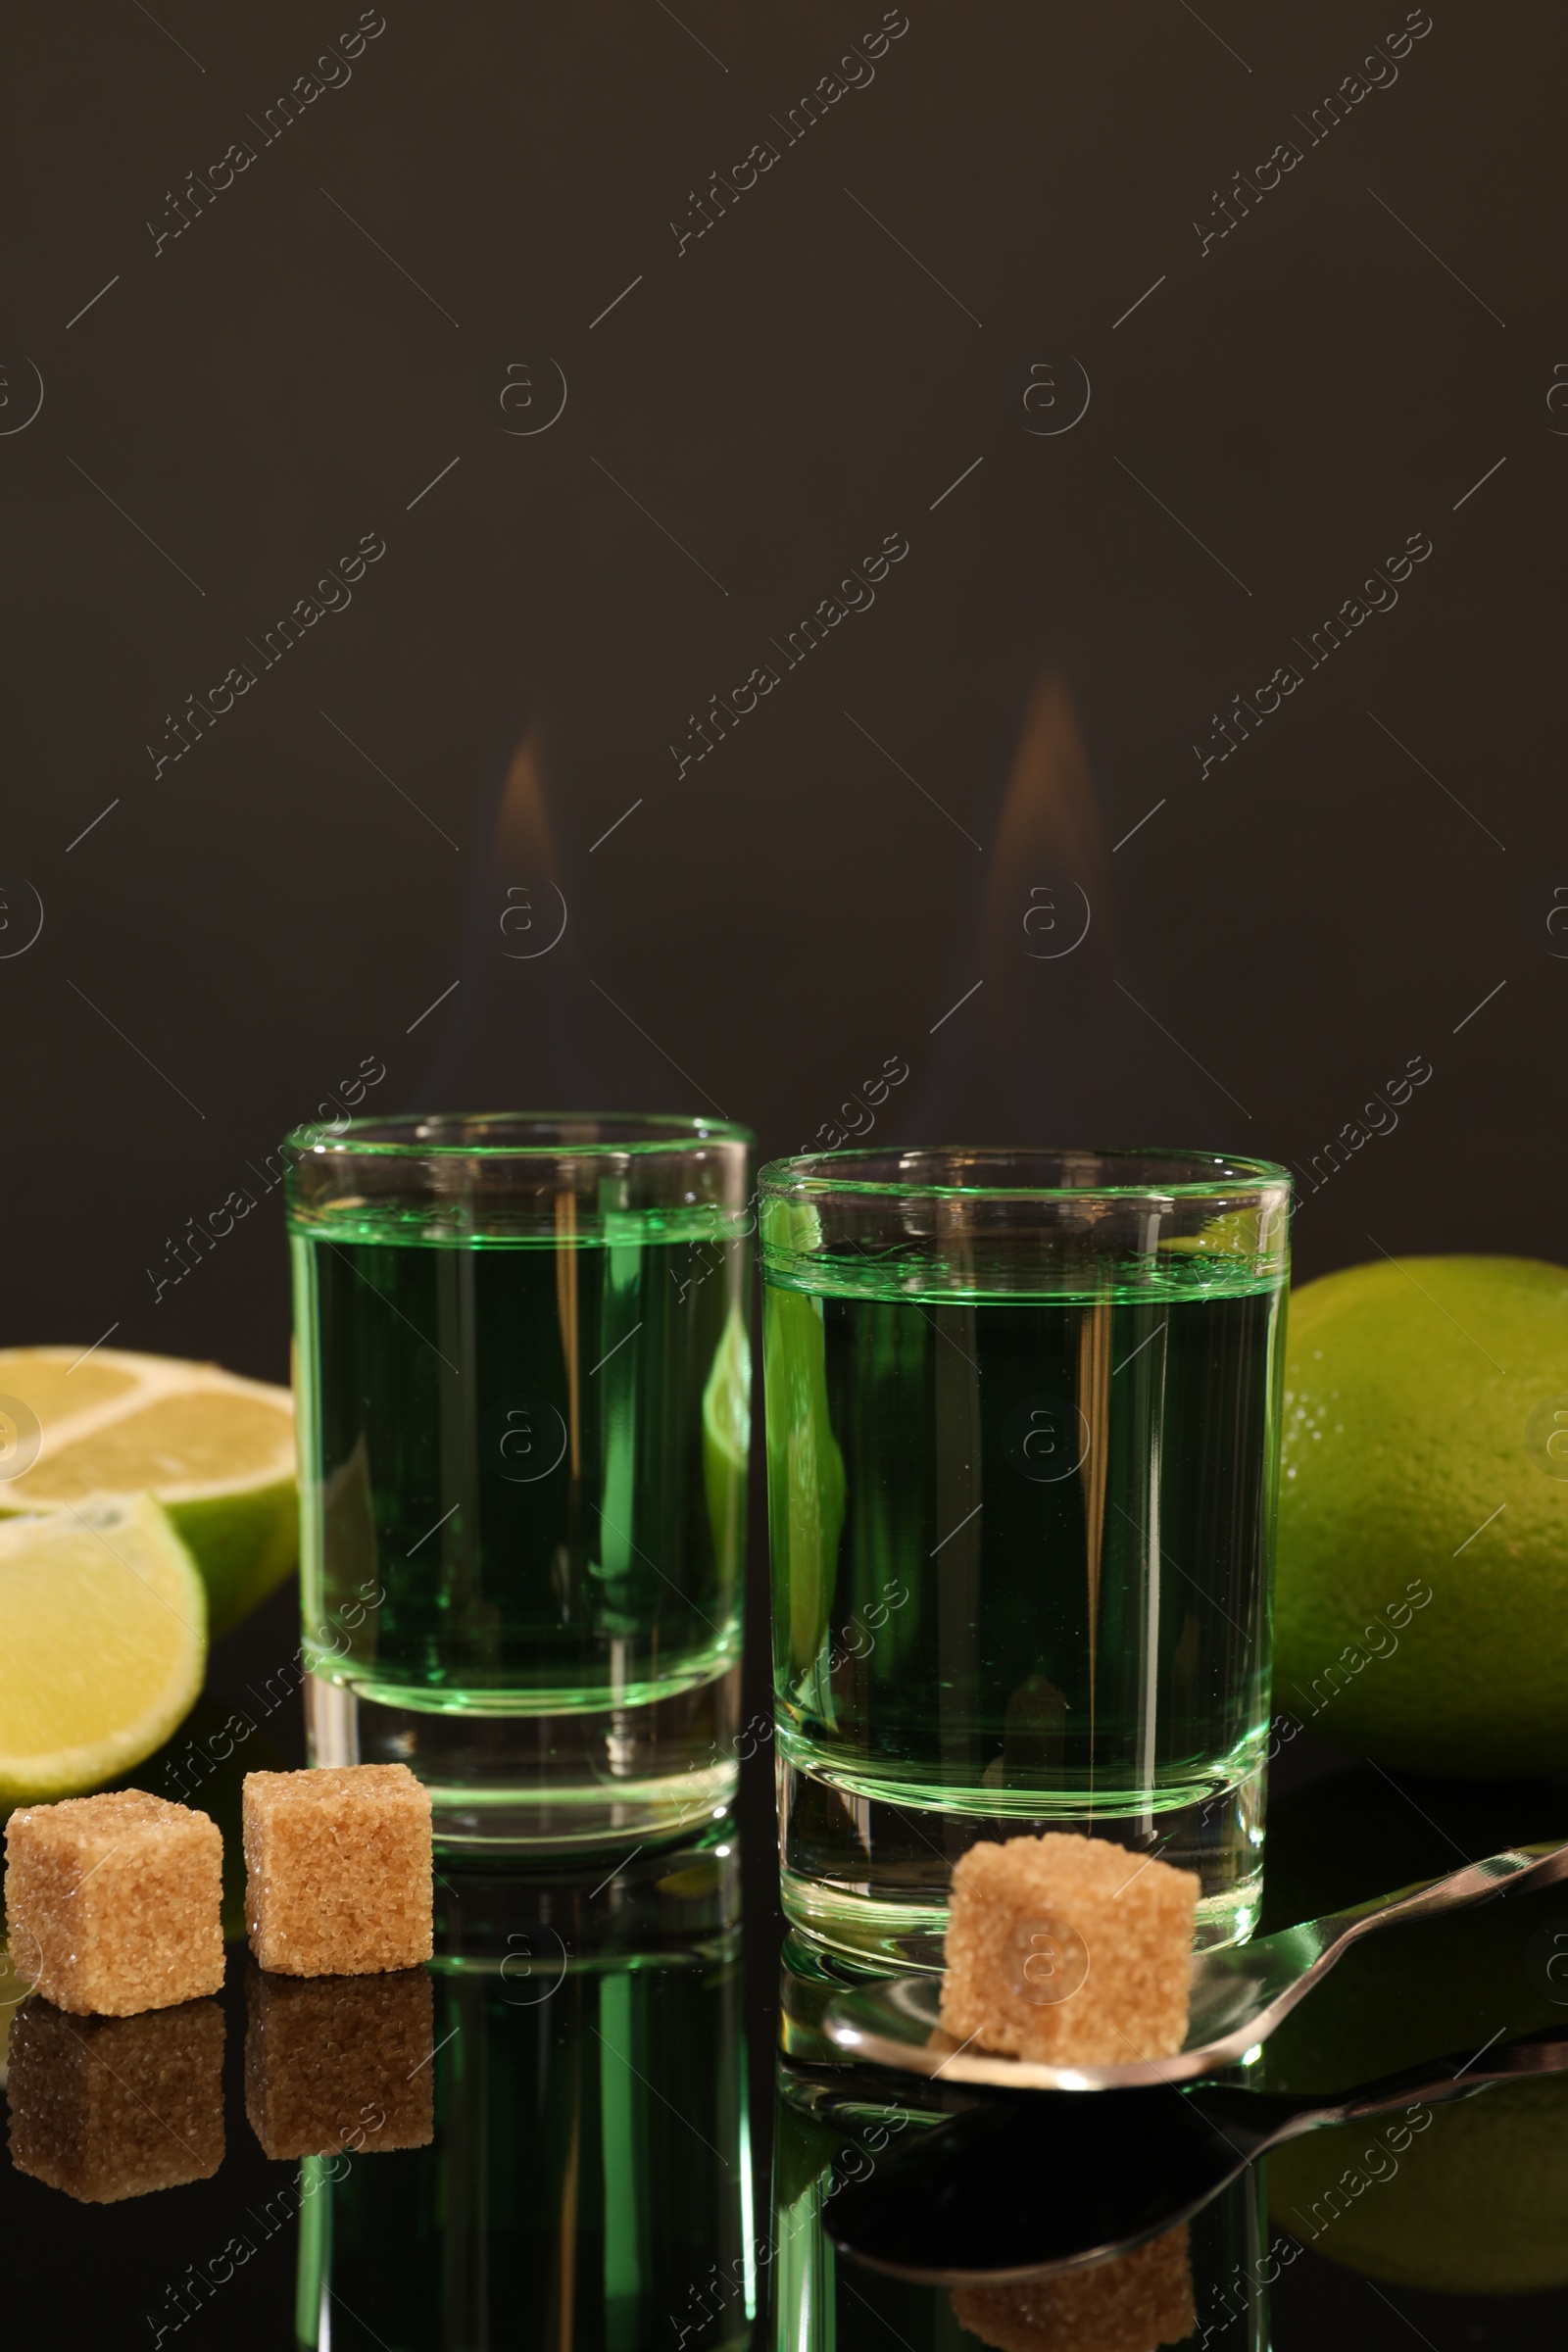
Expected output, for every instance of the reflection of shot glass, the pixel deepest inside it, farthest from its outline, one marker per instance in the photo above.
(524, 1410)
(843, 2125)
(588, 2176)
(1022, 1446)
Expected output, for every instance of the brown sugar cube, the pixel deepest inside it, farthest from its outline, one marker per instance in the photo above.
(113, 1903)
(338, 1870)
(339, 2063)
(1068, 1951)
(112, 2107)
(1129, 2305)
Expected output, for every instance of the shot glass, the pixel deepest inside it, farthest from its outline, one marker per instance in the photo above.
(1023, 1417)
(523, 1378)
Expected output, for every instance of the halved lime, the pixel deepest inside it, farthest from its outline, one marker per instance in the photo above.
(217, 1451)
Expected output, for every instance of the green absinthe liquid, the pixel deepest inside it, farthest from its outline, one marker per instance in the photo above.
(522, 1461)
(1021, 1559)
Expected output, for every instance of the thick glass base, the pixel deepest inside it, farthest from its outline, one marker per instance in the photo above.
(866, 1879)
(515, 1784)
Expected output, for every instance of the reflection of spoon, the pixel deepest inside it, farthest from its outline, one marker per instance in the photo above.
(1021, 2185)
(1239, 1996)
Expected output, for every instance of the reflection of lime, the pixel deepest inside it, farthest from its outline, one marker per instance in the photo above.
(103, 1630)
(1256, 1235)
(726, 1442)
(1422, 1603)
(804, 1470)
(1472, 2204)
(217, 1451)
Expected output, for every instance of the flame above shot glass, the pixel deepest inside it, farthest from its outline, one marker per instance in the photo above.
(1023, 1415)
(523, 1385)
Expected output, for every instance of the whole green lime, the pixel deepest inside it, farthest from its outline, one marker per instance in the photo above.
(1422, 1594)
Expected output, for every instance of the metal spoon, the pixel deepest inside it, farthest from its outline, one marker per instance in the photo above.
(1018, 2187)
(1238, 1998)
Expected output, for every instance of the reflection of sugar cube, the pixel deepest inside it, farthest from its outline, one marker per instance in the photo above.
(1141, 2299)
(1068, 1951)
(111, 2107)
(339, 2063)
(113, 1903)
(338, 1870)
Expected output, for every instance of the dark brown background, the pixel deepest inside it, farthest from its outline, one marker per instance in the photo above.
(790, 388)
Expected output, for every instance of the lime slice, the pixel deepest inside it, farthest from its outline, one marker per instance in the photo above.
(218, 1451)
(103, 1644)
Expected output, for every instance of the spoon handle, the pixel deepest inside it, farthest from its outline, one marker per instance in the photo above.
(1476, 1882)
(1328, 1937)
(1267, 2119)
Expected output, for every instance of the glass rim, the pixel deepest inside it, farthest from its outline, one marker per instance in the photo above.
(375, 1139)
(820, 1175)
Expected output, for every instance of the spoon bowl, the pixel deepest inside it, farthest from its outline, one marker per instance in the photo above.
(1239, 1995)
